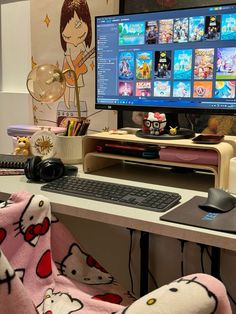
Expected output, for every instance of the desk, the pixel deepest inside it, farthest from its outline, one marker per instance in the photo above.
(128, 217)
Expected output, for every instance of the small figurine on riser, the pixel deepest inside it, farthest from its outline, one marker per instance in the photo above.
(22, 146)
(154, 123)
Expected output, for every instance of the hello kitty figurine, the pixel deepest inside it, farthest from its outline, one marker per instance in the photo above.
(154, 123)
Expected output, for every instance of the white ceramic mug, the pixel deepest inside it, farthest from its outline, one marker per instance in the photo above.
(69, 148)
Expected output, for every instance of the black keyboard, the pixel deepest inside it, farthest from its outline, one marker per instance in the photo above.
(114, 193)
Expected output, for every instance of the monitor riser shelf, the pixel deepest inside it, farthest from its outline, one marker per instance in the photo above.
(93, 160)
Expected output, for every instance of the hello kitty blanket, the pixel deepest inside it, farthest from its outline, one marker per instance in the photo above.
(43, 270)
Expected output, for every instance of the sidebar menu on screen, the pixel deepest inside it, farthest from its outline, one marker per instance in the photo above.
(107, 71)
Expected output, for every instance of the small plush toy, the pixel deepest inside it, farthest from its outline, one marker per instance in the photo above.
(221, 125)
(154, 123)
(173, 131)
(22, 146)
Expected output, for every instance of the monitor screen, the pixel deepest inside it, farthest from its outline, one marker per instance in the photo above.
(176, 61)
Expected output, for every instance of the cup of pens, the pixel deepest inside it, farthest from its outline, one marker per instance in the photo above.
(69, 146)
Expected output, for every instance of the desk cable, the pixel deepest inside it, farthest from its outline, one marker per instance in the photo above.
(182, 244)
(131, 232)
(203, 249)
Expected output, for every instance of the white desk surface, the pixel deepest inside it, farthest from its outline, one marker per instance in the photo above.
(121, 215)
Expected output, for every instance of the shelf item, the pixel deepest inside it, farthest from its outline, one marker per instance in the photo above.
(189, 155)
(42, 143)
(220, 153)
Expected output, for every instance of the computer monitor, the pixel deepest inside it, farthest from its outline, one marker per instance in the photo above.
(175, 61)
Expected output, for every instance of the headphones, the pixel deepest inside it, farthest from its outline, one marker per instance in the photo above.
(47, 170)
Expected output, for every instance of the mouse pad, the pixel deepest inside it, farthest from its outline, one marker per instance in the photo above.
(190, 214)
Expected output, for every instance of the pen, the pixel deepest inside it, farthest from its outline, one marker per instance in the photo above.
(84, 127)
(74, 128)
(70, 128)
(67, 127)
(78, 126)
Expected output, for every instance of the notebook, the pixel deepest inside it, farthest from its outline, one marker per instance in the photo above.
(12, 161)
(8, 171)
(12, 164)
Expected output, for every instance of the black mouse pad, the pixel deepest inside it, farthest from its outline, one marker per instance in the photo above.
(190, 214)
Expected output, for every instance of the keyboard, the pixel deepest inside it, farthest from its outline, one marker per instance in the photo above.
(149, 199)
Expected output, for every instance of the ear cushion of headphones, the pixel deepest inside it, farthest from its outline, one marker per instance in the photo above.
(50, 169)
(30, 167)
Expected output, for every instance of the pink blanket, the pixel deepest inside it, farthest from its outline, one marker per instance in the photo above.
(42, 268)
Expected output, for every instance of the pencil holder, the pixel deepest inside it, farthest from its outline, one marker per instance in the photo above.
(69, 148)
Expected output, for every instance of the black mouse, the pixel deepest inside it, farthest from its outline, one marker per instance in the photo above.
(218, 201)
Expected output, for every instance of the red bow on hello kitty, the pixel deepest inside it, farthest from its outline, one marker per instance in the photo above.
(93, 263)
(36, 230)
(158, 116)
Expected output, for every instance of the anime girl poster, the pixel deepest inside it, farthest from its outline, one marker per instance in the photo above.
(63, 35)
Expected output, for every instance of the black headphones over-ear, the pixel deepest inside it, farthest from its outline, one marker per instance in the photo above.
(47, 170)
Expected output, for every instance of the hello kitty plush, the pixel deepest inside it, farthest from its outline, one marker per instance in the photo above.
(154, 123)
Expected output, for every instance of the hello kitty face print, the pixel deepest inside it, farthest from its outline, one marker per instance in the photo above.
(82, 267)
(59, 302)
(34, 221)
(5, 204)
(7, 274)
(176, 295)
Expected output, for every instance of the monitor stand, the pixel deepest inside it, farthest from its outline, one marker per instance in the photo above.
(182, 133)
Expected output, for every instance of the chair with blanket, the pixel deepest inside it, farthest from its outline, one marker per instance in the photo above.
(44, 270)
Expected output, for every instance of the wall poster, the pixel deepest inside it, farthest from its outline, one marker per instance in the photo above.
(63, 34)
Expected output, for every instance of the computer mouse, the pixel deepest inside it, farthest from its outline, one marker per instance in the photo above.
(218, 201)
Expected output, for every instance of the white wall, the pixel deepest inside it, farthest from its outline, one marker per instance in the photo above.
(15, 53)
